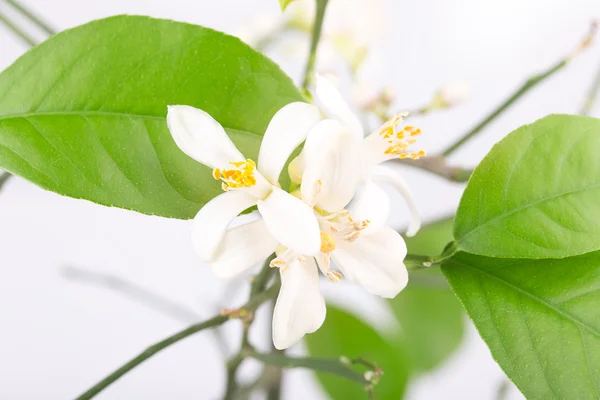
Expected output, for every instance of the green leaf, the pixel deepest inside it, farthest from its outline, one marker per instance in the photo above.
(431, 320)
(344, 335)
(431, 238)
(83, 114)
(430, 315)
(284, 3)
(536, 194)
(540, 319)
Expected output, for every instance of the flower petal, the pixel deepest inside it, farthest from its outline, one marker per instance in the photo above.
(291, 221)
(386, 175)
(210, 224)
(333, 102)
(242, 248)
(300, 307)
(286, 131)
(372, 204)
(201, 137)
(331, 166)
(375, 262)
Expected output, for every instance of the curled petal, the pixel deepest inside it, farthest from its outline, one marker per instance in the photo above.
(242, 248)
(201, 137)
(386, 175)
(375, 262)
(210, 224)
(300, 307)
(331, 166)
(286, 131)
(291, 221)
(335, 105)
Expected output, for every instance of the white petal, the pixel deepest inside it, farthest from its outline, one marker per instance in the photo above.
(386, 175)
(212, 220)
(372, 204)
(375, 262)
(300, 307)
(291, 221)
(201, 137)
(332, 166)
(333, 102)
(286, 131)
(242, 248)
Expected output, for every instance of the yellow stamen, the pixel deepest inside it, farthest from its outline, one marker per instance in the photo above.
(400, 139)
(334, 276)
(327, 242)
(239, 177)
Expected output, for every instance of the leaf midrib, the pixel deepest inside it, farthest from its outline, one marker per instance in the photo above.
(525, 206)
(102, 113)
(558, 311)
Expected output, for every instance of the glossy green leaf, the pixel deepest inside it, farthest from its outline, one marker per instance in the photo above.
(344, 335)
(431, 317)
(540, 319)
(536, 194)
(83, 114)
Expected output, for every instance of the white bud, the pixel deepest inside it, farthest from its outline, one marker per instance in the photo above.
(369, 376)
(454, 93)
(345, 360)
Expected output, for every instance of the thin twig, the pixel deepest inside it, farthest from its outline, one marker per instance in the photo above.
(32, 17)
(314, 44)
(591, 95)
(259, 283)
(133, 291)
(24, 36)
(439, 166)
(526, 87)
(4, 177)
(503, 388)
(218, 320)
(330, 366)
(151, 351)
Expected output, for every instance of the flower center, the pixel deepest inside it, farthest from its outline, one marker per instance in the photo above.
(399, 140)
(327, 242)
(344, 226)
(242, 175)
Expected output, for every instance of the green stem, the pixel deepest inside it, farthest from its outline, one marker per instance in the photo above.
(17, 31)
(439, 166)
(249, 307)
(258, 286)
(329, 366)
(4, 178)
(526, 87)
(314, 44)
(591, 95)
(32, 17)
(149, 352)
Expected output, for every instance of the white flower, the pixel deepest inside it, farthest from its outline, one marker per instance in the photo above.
(386, 143)
(288, 220)
(365, 251)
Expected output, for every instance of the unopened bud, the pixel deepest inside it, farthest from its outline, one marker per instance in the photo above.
(453, 94)
(369, 376)
(345, 360)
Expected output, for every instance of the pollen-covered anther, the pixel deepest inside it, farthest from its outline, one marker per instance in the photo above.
(242, 175)
(399, 140)
(334, 276)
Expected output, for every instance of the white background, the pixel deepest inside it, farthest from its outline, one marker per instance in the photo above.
(58, 337)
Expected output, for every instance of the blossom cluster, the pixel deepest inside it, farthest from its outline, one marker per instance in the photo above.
(334, 218)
